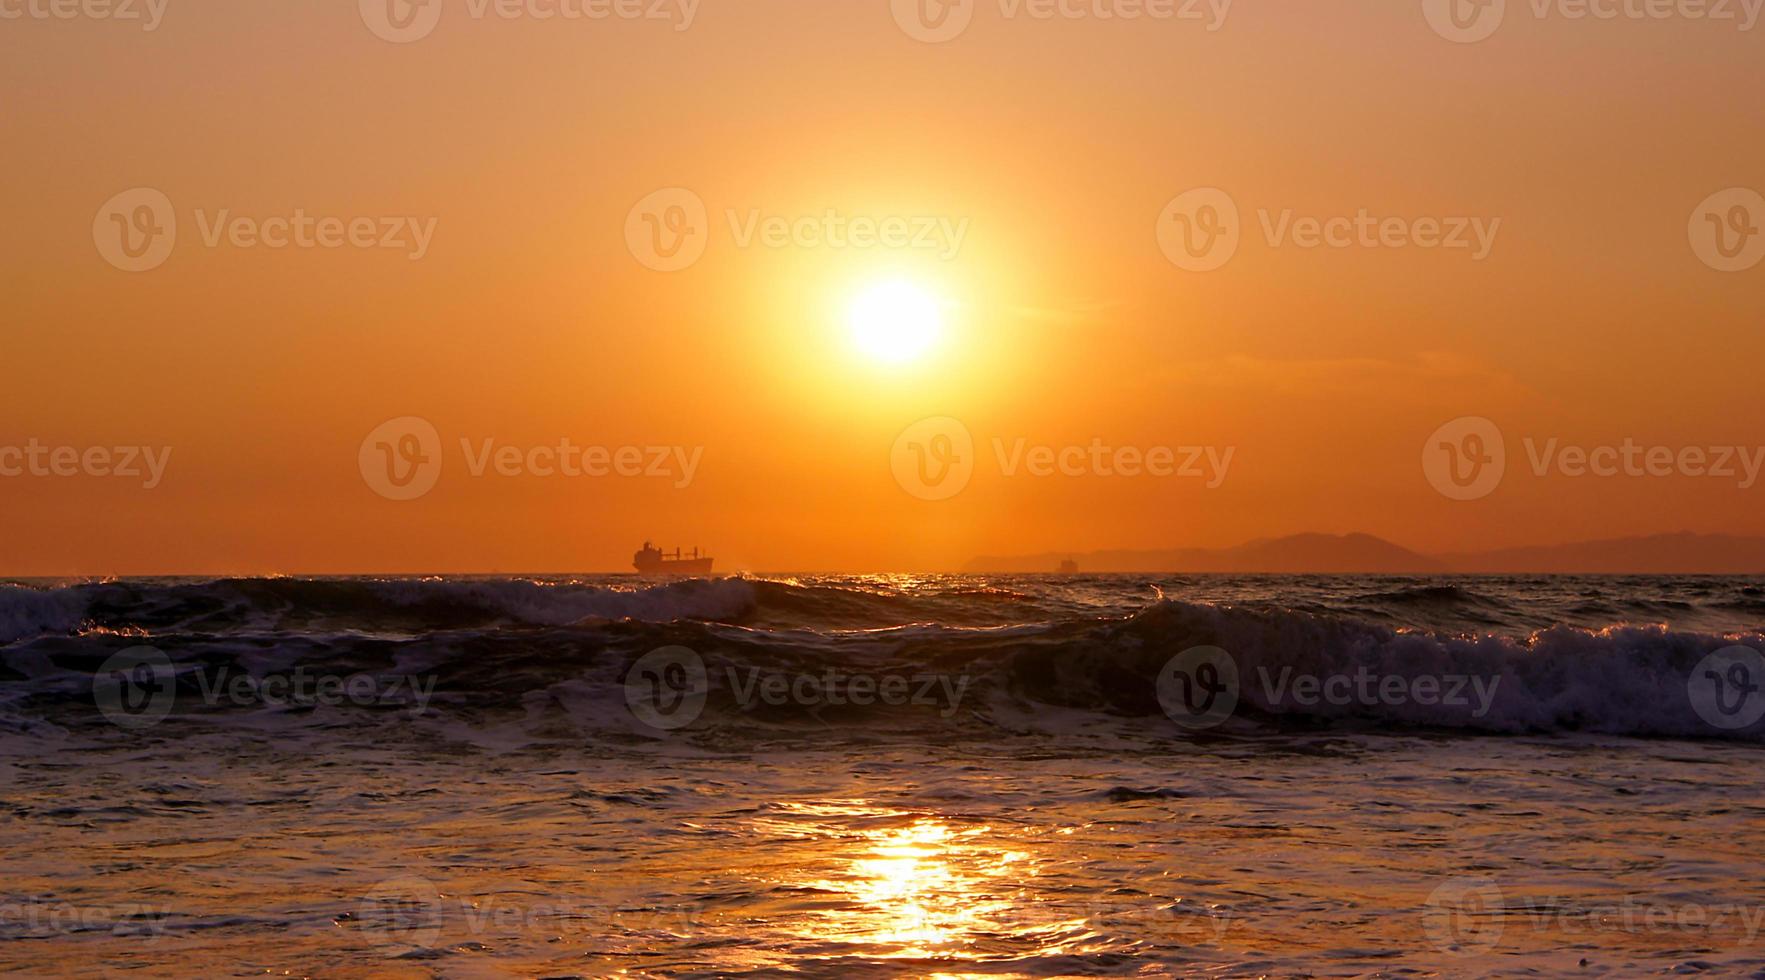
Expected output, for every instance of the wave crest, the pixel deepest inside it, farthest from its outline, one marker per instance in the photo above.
(507, 645)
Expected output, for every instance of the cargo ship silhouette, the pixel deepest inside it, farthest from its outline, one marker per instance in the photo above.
(653, 561)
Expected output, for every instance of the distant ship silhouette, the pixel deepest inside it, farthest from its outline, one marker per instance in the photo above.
(1069, 567)
(652, 561)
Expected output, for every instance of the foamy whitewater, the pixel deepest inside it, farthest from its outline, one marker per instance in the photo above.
(883, 776)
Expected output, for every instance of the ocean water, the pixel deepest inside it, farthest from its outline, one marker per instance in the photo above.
(879, 776)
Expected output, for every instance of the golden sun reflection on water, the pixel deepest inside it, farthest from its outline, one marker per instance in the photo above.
(920, 889)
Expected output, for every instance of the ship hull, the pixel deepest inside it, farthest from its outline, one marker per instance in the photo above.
(683, 566)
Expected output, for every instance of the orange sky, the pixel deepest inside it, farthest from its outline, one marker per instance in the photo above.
(1054, 144)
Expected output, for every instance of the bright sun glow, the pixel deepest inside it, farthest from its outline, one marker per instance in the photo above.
(896, 322)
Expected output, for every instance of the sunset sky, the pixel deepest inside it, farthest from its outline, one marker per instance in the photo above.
(1053, 145)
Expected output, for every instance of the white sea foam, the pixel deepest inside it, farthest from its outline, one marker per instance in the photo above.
(27, 612)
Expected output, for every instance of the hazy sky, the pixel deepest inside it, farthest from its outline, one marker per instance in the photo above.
(1029, 176)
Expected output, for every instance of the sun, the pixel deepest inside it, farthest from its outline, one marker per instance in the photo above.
(896, 322)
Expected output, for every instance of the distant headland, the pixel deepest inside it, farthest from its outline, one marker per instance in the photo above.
(1682, 553)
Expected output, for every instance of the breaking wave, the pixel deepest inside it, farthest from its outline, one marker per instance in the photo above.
(369, 605)
(982, 659)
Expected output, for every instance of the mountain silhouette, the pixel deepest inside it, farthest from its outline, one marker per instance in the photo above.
(1681, 553)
